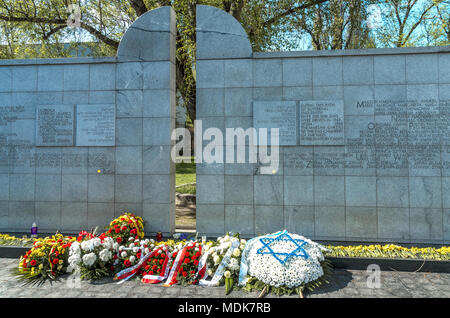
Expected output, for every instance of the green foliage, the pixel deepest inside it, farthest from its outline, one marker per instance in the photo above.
(26, 279)
(95, 273)
(185, 174)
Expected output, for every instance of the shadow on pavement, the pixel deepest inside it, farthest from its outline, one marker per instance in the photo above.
(338, 280)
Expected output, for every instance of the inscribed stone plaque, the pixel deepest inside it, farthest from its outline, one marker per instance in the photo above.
(277, 114)
(322, 123)
(54, 125)
(96, 125)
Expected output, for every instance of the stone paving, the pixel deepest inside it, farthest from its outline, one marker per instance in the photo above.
(343, 284)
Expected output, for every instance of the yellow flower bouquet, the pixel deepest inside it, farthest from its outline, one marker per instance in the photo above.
(47, 259)
(125, 227)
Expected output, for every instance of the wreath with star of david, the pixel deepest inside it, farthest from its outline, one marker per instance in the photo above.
(283, 257)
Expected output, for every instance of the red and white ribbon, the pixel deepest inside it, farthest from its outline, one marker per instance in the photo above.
(155, 279)
(172, 279)
(129, 272)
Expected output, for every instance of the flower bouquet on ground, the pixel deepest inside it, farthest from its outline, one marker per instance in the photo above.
(223, 261)
(156, 268)
(93, 258)
(131, 253)
(47, 259)
(283, 263)
(125, 227)
(145, 258)
(186, 260)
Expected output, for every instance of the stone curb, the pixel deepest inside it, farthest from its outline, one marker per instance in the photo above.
(13, 251)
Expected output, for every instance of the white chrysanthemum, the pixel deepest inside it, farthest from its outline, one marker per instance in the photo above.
(105, 255)
(236, 252)
(135, 249)
(96, 241)
(233, 265)
(216, 259)
(123, 254)
(75, 249)
(132, 259)
(86, 245)
(227, 274)
(294, 272)
(89, 259)
(108, 242)
(74, 261)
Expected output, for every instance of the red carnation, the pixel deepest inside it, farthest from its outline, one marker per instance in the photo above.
(133, 231)
(147, 268)
(115, 256)
(124, 228)
(195, 262)
(117, 230)
(174, 254)
(186, 260)
(198, 254)
(119, 240)
(163, 255)
(184, 274)
(55, 261)
(192, 272)
(161, 261)
(154, 267)
(127, 263)
(33, 263)
(150, 273)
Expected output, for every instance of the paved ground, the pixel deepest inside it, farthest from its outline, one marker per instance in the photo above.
(344, 283)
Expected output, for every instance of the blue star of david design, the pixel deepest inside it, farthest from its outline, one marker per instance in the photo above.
(298, 251)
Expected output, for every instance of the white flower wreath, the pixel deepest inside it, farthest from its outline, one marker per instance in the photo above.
(284, 259)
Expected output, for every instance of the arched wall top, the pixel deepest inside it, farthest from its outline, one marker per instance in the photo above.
(220, 35)
(150, 38)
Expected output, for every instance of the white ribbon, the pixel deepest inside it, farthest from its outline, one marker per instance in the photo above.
(221, 269)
